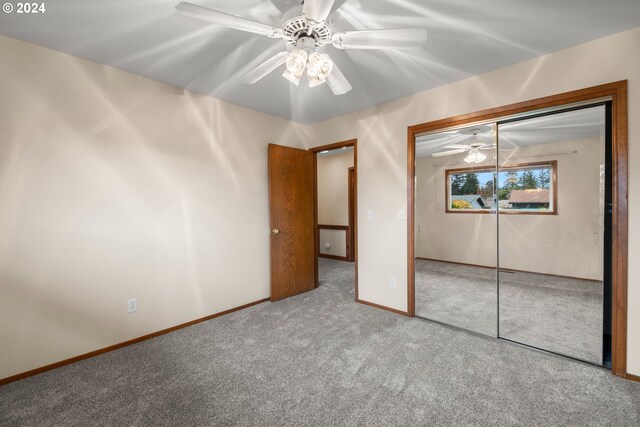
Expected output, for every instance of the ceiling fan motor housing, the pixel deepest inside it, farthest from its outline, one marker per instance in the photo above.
(305, 42)
(296, 27)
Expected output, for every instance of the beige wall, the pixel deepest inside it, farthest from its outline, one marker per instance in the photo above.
(333, 242)
(382, 154)
(333, 188)
(567, 244)
(113, 186)
(333, 199)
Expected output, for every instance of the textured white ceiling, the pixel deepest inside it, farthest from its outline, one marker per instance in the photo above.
(466, 37)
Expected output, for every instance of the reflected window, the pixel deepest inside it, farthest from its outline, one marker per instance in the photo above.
(528, 188)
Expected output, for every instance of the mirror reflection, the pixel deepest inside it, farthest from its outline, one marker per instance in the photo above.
(511, 226)
(551, 218)
(455, 229)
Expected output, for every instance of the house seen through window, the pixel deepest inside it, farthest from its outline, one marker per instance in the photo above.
(524, 188)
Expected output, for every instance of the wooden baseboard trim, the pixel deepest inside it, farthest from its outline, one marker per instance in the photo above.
(98, 352)
(632, 377)
(510, 270)
(339, 258)
(382, 307)
(456, 263)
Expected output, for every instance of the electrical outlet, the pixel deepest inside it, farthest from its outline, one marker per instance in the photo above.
(370, 214)
(402, 215)
(392, 282)
(132, 305)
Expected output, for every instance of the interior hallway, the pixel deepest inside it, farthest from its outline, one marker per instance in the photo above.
(321, 359)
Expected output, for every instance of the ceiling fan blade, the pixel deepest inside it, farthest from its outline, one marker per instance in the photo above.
(262, 70)
(216, 17)
(448, 153)
(493, 147)
(317, 11)
(337, 82)
(402, 38)
(457, 146)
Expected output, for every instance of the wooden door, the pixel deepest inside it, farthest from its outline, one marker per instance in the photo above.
(292, 217)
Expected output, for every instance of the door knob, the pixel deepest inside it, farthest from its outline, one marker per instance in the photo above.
(275, 231)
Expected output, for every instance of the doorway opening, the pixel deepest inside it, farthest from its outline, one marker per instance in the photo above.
(335, 167)
(518, 224)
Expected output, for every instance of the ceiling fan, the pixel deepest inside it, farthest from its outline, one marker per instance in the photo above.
(306, 30)
(474, 148)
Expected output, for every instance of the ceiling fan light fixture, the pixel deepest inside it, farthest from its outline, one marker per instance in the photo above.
(319, 67)
(306, 28)
(295, 79)
(475, 156)
(296, 63)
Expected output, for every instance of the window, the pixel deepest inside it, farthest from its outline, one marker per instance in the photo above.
(523, 188)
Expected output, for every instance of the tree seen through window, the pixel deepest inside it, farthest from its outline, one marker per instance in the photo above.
(519, 188)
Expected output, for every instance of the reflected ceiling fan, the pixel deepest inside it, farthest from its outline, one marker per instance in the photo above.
(306, 30)
(477, 143)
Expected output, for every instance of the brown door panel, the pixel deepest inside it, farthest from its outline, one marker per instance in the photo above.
(291, 216)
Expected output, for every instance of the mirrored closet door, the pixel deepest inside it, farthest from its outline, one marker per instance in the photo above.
(512, 223)
(551, 204)
(455, 228)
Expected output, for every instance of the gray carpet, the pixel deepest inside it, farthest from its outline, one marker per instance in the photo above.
(320, 359)
(553, 313)
(457, 295)
(549, 312)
